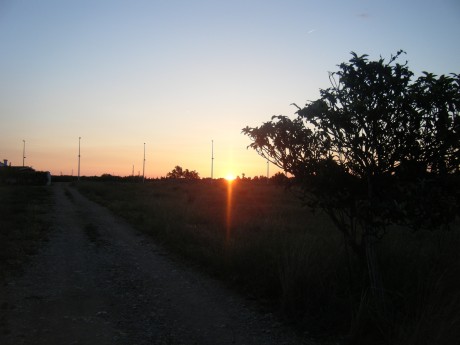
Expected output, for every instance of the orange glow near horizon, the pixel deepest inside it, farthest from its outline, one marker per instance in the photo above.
(228, 222)
(230, 177)
(135, 87)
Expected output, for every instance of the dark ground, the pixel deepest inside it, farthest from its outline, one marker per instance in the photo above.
(98, 281)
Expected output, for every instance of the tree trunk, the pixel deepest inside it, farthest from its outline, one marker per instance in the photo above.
(375, 278)
(370, 239)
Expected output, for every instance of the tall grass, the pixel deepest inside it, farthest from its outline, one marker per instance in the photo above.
(24, 225)
(295, 262)
(422, 272)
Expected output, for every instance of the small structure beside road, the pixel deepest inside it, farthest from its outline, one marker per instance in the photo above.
(22, 175)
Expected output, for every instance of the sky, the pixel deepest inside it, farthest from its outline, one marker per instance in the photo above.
(179, 75)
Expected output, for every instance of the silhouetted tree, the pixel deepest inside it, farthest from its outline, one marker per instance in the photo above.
(191, 175)
(375, 149)
(179, 173)
(260, 178)
(279, 178)
(176, 173)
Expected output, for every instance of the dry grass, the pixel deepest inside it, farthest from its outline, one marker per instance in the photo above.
(23, 225)
(272, 249)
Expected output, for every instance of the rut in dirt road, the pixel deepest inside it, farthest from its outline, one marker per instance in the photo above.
(98, 281)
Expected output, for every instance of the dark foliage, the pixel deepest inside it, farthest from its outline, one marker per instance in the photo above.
(179, 173)
(376, 149)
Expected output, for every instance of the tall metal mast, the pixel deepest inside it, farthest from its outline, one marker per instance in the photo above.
(268, 170)
(79, 139)
(212, 159)
(143, 167)
(23, 152)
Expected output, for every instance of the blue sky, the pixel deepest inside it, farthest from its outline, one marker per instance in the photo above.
(178, 74)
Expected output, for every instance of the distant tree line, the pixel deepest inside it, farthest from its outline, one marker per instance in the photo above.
(182, 174)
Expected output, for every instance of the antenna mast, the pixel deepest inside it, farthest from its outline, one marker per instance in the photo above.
(143, 167)
(212, 159)
(79, 138)
(268, 170)
(23, 152)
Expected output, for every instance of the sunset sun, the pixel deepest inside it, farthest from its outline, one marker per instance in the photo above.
(230, 177)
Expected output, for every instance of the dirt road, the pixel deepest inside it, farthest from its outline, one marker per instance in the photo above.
(99, 281)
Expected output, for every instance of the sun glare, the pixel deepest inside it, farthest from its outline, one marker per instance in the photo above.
(230, 177)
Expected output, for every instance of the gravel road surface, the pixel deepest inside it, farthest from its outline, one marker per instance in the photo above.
(99, 281)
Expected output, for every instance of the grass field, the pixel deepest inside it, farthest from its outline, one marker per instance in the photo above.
(23, 225)
(261, 241)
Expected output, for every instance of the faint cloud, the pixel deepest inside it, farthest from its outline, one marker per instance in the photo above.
(311, 31)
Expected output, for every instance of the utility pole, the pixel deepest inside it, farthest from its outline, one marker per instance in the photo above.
(268, 170)
(79, 139)
(212, 159)
(143, 167)
(23, 152)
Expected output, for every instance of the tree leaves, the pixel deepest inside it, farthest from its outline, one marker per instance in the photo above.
(376, 147)
(179, 173)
